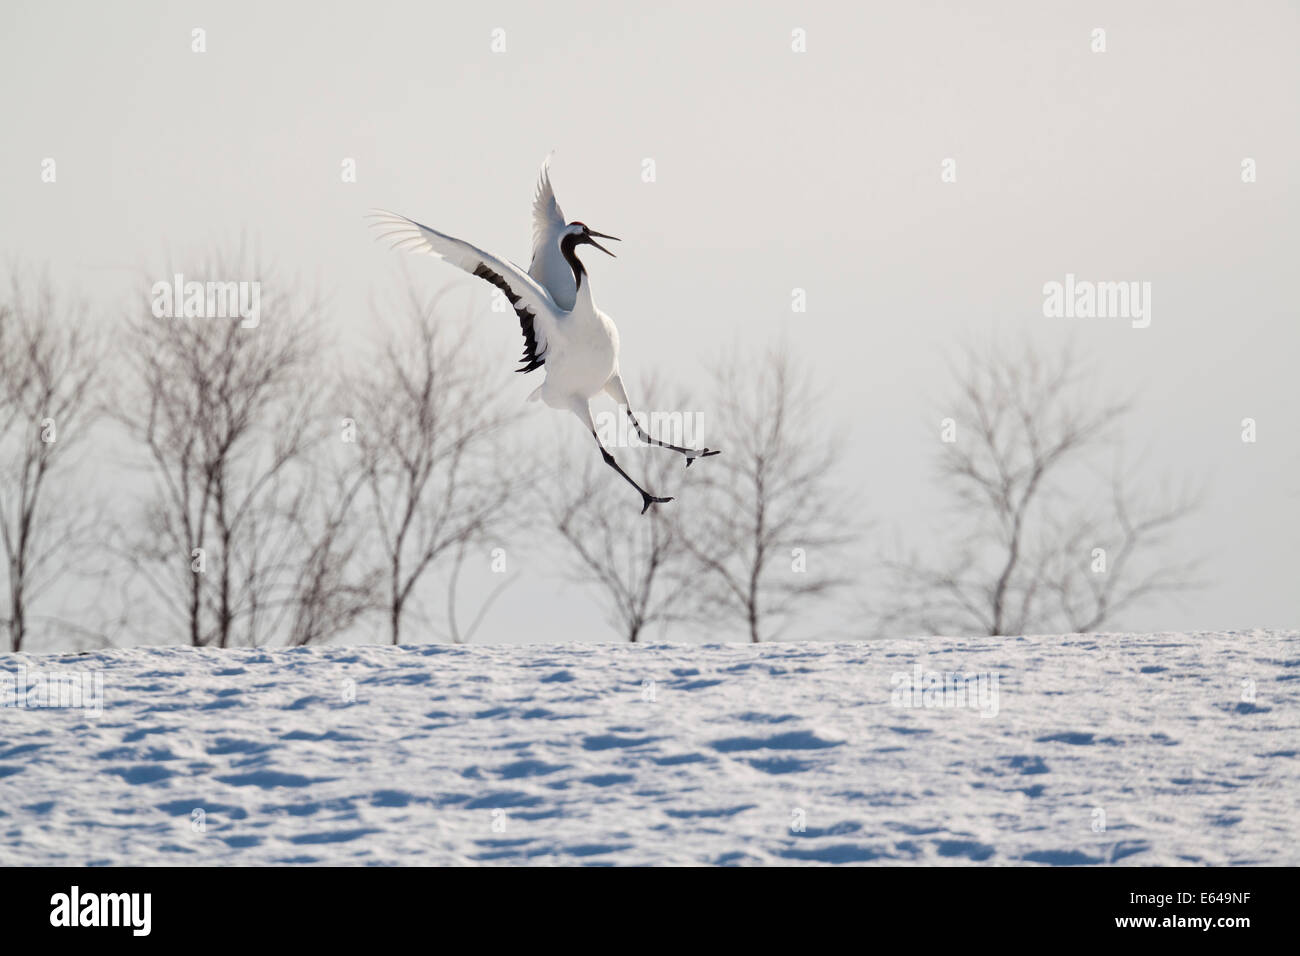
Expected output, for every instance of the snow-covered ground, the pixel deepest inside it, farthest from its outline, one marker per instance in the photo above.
(1132, 749)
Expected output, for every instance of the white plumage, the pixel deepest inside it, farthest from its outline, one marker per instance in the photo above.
(562, 328)
(548, 266)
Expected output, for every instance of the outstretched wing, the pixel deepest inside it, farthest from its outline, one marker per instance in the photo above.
(532, 303)
(548, 220)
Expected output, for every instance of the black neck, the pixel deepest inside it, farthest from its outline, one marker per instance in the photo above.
(568, 246)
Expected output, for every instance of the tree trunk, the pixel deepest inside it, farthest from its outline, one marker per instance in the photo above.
(196, 634)
(17, 625)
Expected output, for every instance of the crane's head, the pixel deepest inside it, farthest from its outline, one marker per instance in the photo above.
(582, 234)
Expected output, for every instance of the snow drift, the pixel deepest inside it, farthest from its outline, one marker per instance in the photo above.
(1095, 749)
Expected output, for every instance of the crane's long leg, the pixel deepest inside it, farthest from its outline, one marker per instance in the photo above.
(614, 387)
(583, 410)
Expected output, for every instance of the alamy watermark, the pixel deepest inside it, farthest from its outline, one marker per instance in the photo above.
(37, 689)
(75, 908)
(615, 429)
(1085, 299)
(208, 300)
(935, 689)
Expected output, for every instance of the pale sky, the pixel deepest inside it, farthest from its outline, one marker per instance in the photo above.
(775, 170)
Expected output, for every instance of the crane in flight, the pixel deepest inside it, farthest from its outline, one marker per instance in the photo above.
(563, 330)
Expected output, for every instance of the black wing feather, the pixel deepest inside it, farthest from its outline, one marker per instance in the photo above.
(530, 358)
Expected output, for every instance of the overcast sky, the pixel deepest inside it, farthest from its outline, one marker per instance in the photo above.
(775, 170)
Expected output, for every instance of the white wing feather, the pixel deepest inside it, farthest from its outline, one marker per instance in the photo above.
(526, 295)
(548, 265)
(548, 220)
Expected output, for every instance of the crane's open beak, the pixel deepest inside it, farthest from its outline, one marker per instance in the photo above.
(593, 232)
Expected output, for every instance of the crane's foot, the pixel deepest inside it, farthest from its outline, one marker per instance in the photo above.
(702, 454)
(652, 500)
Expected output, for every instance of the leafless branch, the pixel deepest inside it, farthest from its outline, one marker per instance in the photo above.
(1033, 549)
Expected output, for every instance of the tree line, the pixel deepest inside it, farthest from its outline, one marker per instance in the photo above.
(272, 490)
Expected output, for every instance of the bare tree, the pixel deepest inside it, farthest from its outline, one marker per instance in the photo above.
(334, 586)
(429, 427)
(771, 535)
(49, 363)
(638, 563)
(228, 415)
(1034, 549)
(459, 560)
